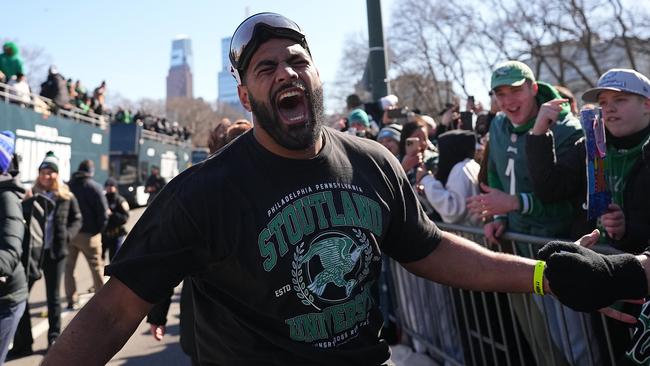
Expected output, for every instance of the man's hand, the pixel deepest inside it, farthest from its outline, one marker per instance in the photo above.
(614, 221)
(494, 202)
(477, 108)
(493, 230)
(446, 117)
(587, 281)
(547, 115)
(158, 332)
(619, 315)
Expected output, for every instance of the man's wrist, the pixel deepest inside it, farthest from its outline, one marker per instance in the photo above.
(537, 131)
(538, 278)
(515, 203)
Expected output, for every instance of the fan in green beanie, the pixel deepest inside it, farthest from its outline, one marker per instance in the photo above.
(359, 117)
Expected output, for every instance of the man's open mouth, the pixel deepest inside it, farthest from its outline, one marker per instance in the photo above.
(292, 106)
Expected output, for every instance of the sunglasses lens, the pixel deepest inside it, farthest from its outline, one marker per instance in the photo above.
(243, 40)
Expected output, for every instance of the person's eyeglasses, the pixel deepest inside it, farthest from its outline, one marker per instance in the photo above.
(247, 39)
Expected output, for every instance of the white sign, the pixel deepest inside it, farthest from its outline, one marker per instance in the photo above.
(96, 138)
(32, 147)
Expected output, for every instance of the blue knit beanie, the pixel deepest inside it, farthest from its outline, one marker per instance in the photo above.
(7, 146)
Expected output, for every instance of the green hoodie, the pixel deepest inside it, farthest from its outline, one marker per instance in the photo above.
(11, 65)
(618, 164)
(508, 169)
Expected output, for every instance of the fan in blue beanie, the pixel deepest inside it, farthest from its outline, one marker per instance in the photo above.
(6, 150)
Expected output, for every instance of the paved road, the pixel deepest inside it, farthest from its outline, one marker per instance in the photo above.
(142, 349)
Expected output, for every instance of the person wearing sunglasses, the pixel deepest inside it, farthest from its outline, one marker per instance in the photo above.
(280, 233)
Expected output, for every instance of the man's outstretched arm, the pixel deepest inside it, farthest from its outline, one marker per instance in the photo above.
(459, 262)
(101, 327)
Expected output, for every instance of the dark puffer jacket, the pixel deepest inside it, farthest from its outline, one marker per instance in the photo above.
(67, 222)
(13, 284)
(92, 202)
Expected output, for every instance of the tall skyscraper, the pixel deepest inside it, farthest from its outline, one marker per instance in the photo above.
(179, 77)
(227, 86)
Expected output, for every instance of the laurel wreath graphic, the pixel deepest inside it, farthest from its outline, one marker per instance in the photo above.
(298, 282)
(367, 253)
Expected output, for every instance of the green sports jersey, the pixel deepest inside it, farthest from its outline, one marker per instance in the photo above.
(508, 170)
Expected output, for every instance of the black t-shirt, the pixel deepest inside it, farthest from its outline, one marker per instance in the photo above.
(283, 254)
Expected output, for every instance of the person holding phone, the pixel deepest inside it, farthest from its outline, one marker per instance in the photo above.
(456, 179)
(414, 149)
(624, 98)
(416, 152)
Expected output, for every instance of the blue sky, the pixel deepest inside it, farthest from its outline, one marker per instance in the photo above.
(128, 43)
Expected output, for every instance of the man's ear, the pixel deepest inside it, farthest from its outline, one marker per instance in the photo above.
(535, 88)
(242, 91)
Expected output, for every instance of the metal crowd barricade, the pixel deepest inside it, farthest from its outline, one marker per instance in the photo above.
(458, 327)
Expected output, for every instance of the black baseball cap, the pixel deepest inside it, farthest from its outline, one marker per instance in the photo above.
(110, 182)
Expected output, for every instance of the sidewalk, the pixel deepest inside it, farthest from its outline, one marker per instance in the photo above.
(402, 355)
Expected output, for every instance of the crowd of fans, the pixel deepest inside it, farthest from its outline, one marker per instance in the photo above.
(67, 94)
(520, 167)
(152, 123)
(58, 92)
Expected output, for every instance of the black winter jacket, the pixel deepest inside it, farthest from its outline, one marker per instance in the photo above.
(93, 205)
(13, 284)
(118, 217)
(56, 89)
(67, 222)
(566, 179)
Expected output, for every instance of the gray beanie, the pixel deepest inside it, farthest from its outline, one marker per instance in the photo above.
(393, 131)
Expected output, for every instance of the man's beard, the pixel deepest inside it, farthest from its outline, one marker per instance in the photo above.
(292, 137)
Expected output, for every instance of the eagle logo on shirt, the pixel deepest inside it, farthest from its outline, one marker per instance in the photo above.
(333, 266)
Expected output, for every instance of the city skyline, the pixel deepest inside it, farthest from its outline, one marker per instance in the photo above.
(132, 52)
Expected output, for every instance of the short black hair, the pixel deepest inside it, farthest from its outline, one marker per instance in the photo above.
(353, 101)
(263, 35)
(86, 166)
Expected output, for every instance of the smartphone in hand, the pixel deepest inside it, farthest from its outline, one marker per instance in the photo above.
(412, 145)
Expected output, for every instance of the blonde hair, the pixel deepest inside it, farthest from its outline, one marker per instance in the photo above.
(59, 189)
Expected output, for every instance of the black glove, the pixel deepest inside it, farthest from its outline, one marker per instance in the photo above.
(587, 281)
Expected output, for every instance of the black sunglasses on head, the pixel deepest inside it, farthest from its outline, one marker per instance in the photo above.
(253, 31)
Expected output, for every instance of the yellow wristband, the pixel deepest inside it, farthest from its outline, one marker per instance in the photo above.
(538, 278)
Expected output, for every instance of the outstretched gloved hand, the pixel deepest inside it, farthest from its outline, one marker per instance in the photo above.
(587, 281)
